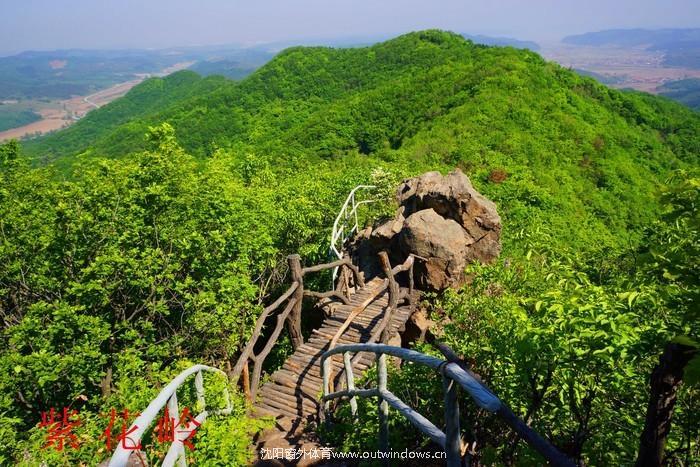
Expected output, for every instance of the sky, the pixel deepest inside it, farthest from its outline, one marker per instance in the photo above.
(95, 24)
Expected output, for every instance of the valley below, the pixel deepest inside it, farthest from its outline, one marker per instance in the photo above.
(59, 114)
(620, 67)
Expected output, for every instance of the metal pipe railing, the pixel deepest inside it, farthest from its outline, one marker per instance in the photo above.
(340, 233)
(168, 396)
(453, 375)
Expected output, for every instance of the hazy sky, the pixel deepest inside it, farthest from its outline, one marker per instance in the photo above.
(52, 24)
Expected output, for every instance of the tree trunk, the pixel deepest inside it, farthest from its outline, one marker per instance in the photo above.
(106, 383)
(665, 380)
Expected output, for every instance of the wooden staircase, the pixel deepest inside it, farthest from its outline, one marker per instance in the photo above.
(292, 395)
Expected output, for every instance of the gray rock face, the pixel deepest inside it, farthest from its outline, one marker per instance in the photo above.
(443, 220)
(453, 197)
(442, 242)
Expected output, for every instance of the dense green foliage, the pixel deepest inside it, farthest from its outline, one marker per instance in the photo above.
(234, 64)
(685, 91)
(142, 254)
(228, 68)
(146, 98)
(13, 117)
(605, 79)
(502, 42)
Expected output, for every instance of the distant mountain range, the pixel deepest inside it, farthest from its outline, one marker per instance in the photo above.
(681, 47)
(634, 37)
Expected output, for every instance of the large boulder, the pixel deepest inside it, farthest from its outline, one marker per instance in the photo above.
(441, 219)
(453, 197)
(443, 244)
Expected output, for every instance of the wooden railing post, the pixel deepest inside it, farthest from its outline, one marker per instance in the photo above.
(326, 374)
(294, 319)
(383, 405)
(453, 439)
(342, 286)
(245, 374)
(393, 290)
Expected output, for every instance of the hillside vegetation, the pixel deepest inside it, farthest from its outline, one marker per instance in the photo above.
(147, 98)
(148, 235)
(686, 91)
(13, 116)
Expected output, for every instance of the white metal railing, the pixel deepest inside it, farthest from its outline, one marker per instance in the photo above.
(168, 396)
(346, 223)
(453, 375)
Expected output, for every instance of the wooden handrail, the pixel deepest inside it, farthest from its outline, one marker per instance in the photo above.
(324, 266)
(290, 315)
(353, 314)
(393, 302)
(248, 349)
(393, 295)
(331, 293)
(345, 263)
(260, 358)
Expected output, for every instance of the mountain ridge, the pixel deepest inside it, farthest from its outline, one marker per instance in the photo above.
(222, 115)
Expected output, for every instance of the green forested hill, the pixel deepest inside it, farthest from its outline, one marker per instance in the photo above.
(147, 98)
(424, 97)
(395, 88)
(686, 91)
(168, 220)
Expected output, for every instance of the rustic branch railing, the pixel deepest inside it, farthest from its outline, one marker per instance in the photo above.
(168, 396)
(346, 223)
(453, 376)
(290, 315)
(395, 296)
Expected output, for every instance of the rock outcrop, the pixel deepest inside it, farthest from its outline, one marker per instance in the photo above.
(441, 219)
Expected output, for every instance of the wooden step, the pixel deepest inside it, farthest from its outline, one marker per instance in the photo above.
(279, 411)
(293, 391)
(292, 401)
(310, 382)
(284, 409)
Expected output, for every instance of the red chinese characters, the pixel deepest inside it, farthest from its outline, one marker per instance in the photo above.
(168, 428)
(60, 428)
(123, 435)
